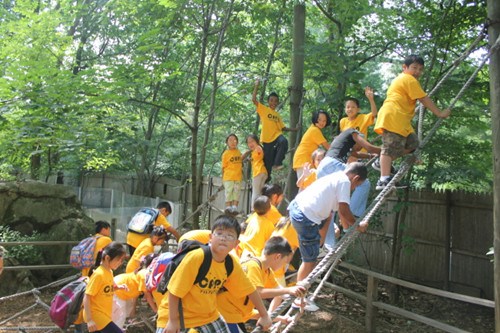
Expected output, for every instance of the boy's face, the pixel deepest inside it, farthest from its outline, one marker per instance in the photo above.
(106, 232)
(351, 109)
(164, 212)
(279, 260)
(273, 102)
(232, 142)
(223, 240)
(414, 70)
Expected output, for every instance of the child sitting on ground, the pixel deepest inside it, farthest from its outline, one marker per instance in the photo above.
(232, 174)
(237, 310)
(395, 115)
(199, 301)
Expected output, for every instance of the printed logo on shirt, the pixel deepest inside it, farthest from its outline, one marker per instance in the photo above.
(235, 159)
(273, 117)
(210, 286)
(108, 290)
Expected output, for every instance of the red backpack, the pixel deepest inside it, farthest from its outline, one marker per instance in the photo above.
(156, 270)
(67, 303)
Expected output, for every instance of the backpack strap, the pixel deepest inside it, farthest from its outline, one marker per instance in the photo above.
(205, 265)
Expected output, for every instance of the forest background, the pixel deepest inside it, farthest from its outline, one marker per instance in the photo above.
(152, 88)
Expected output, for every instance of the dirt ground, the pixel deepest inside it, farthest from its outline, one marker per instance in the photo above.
(337, 313)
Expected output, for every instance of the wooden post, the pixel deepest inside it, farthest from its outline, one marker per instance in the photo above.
(370, 310)
(113, 228)
(447, 244)
(494, 68)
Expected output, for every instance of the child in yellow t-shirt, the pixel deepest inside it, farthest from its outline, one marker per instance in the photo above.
(199, 301)
(259, 172)
(157, 237)
(98, 298)
(165, 209)
(356, 120)
(395, 115)
(311, 140)
(232, 173)
(236, 310)
(103, 231)
(275, 194)
(259, 228)
(271, 136)
(309, 174)
(285, 229)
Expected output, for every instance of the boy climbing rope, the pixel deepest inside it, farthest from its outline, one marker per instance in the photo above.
(395, 115)
(271, 137)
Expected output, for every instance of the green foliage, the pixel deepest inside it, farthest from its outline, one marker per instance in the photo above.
(25, 254)
(111, 85)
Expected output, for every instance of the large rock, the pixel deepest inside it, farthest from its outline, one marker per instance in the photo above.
(54, 212)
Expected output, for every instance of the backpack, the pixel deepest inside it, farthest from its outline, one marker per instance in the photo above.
(67, 303)
(142, 222)
(156, 270)
(82, 255)
(185, 247)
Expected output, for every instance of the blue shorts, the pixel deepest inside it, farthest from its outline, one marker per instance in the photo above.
(308, 233)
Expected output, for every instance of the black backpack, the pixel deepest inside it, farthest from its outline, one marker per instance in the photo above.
(185, 247)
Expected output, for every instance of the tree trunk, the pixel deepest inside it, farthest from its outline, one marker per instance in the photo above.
(213, 95)
(493, 32)
(298, 54)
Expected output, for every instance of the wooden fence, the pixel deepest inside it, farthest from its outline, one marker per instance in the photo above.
(446, 235)
(445, 240)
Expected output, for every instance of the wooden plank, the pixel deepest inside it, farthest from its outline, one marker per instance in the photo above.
(425, 289)
(419, 318)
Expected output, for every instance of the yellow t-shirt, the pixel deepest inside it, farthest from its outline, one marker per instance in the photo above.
(310, 179)
(136, 284)
(360, 123)
(272, 124)
(199, 301)
(240, 309)
(290, 234)
(311, 140)
(232, 166)
(134, 239)
(146, 247)
(398, 109)
(258, 231)
(100, 244)
(100, 291)
(258, 166)
(274, 214)
(202, 236)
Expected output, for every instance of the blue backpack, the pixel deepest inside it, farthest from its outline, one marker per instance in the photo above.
(82, 255)
(142, 222)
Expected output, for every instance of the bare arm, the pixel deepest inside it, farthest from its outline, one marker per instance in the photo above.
(298, 291)
(151, 301)
(265, 320)
(174, 232)
(345, 214)
(365, 144)
(429, 104)
(373, 106)
(254, 94)
(326, 145)
(86, 308)
(174, 323)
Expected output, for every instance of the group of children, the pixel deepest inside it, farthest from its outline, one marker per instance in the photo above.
(225, 299)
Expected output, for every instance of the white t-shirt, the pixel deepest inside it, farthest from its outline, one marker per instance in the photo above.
(323, 196)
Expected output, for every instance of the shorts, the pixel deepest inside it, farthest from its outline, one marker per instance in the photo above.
(217, 326)
(394, 145)
(308, 232)
(232, 190)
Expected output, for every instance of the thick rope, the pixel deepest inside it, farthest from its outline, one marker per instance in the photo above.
(456, 63)
(36, 290)
(333, 256)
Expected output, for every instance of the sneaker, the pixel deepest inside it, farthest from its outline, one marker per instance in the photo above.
(381, 184)
(309, 305)
(376, 166)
